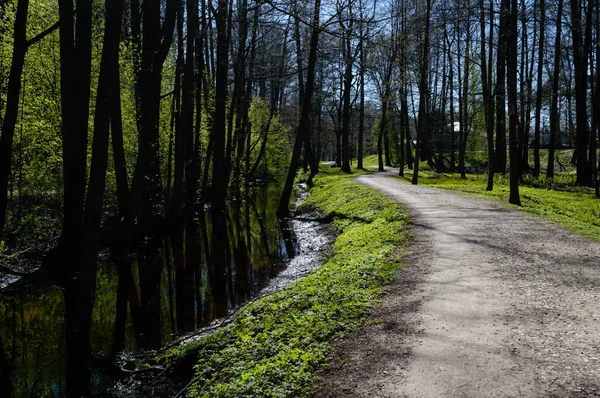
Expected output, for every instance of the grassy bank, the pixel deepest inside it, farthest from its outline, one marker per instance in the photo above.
(275, 345)
(575, 208)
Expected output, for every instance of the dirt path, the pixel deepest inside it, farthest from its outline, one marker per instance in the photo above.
(492, 303)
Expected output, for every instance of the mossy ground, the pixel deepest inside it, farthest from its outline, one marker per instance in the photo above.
(275, 345)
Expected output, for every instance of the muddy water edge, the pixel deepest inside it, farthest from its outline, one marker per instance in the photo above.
(214, 266)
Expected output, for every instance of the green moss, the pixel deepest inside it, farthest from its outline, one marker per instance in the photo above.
(275, 345)
(575, 208)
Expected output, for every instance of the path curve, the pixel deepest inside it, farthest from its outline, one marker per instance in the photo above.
(493, 303)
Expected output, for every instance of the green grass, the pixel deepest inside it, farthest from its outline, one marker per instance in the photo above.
(275, 345)
(575, 208)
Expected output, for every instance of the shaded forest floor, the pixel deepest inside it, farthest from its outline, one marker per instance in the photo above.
(493, 302)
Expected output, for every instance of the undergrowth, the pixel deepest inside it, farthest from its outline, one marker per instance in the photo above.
(575, 208)
(275, 345)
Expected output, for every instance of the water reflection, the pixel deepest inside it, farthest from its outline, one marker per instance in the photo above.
(198, 271)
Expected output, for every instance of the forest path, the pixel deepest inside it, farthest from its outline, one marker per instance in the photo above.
(492, 303)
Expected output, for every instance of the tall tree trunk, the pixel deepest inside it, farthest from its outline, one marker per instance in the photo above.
(538, 97)
(12, 105)
(554, 125)
(303, 125)
(220, 180)
(465, 125)
(361, 79)
(512, 35)
(452, 120)
(524, 102)
(187, 105)
(596, 109)
(580, 64)
(489, 106)
(348, 76)
(152, 41)
(501, 87)
(422, 95)
(382, 127)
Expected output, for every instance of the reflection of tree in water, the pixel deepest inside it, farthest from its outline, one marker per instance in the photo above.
(288, 238)
(150, 272)
(238, 234)
(5, 372)
(149, 289)
(219, 260)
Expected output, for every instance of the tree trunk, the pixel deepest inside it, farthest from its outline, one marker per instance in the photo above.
(361, 77)
(489, 106)
(512, 35)
(348, 76)
(501, 87)
(554, 126)
(580, 64)
(220, 179)
(12, 105)
(422, 95)
(538, 98)
(382, 128)
(464, 131)
(283, 209)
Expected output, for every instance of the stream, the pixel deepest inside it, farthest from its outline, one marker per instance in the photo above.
(220, 263)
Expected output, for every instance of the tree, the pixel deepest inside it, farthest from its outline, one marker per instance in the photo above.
(515, 153)
(538, 97)
(220, 175)
(554, 126)
(12, 105)
(584, 175)
(421, 129)
(303, 125)
(487, 99)
(501, 87)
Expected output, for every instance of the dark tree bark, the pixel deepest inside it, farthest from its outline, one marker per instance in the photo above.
(501, 87)
(538, 98)
(75, 53)
(452, 119)
(79, 243)
(12, 105)
(382, 127)
(464, 105)
(151, 42)
(283, 209)
(361, 79)
(348, 76)
(512, 35)
(554, 125)
(242, 123)
(596, 109)
(584, 175)
(220, 179)
(487, 99)
(524, 108)
(422, 96)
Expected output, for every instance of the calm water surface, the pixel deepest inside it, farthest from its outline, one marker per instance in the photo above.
(215, 264)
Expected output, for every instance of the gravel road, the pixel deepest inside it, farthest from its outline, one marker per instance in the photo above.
(492, 303)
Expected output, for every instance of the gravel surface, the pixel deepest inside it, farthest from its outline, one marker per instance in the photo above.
(492, 303)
